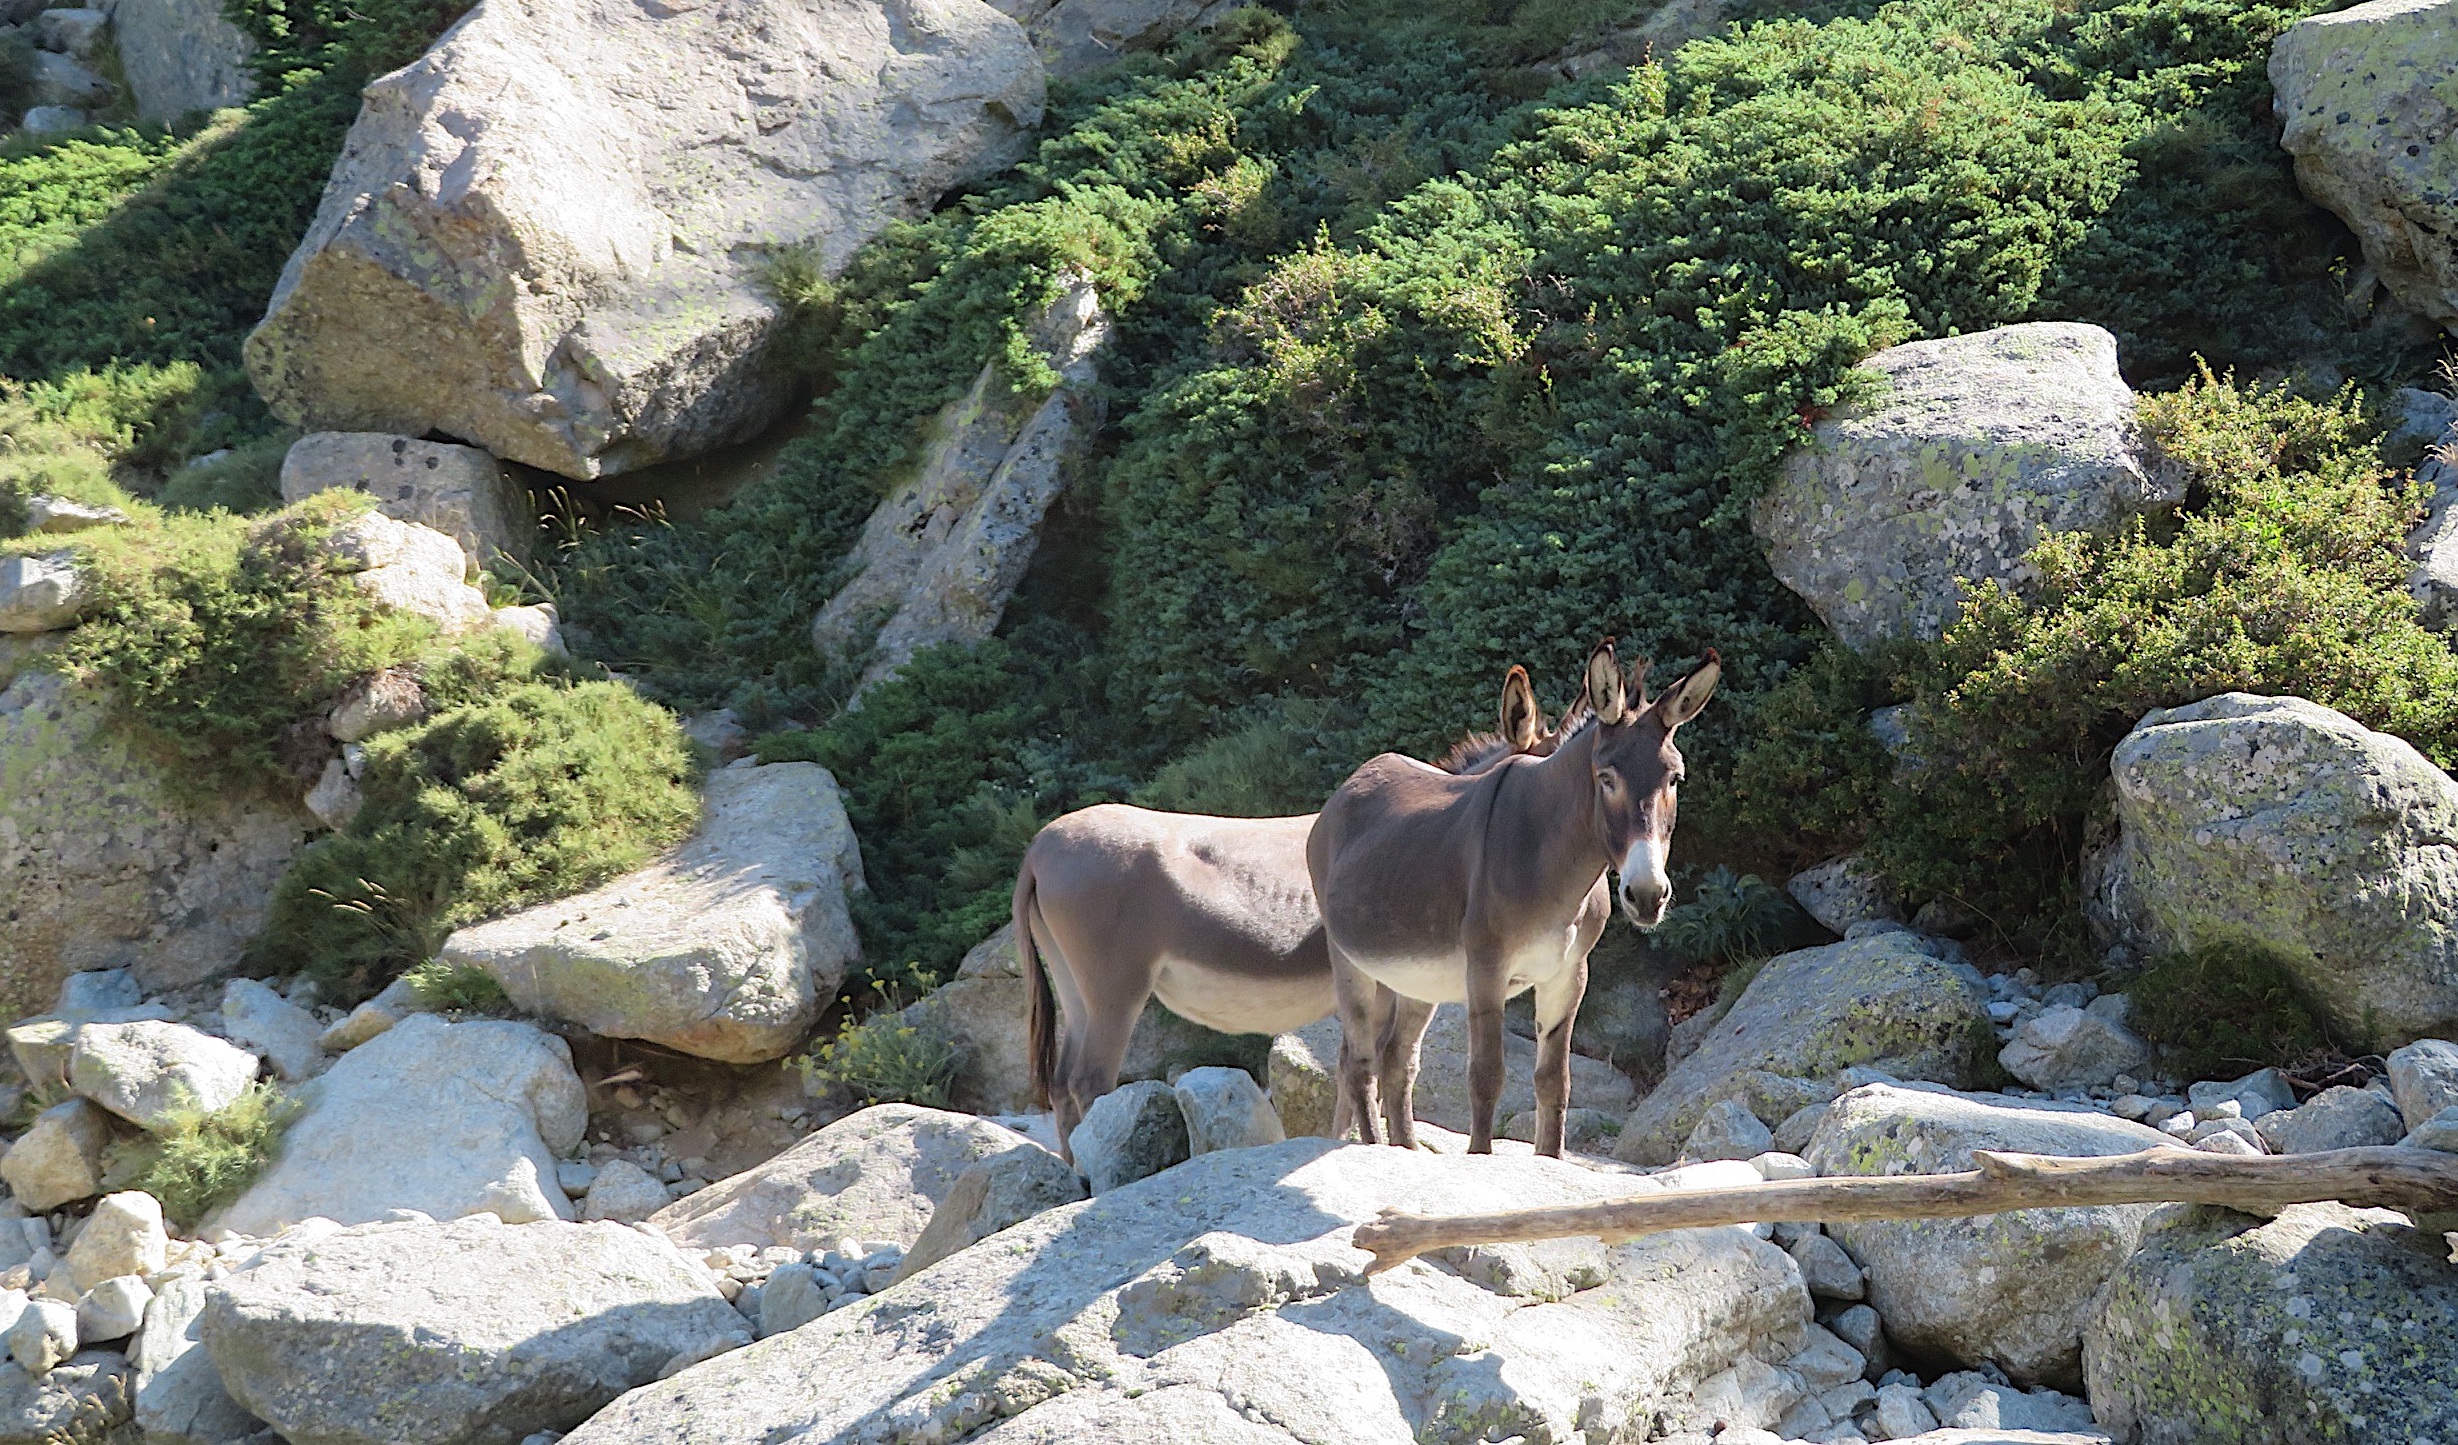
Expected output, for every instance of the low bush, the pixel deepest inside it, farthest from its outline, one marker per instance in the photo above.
(883, 1061)
(2224, 1010)
(1728, 919)
(457, 988)
(203, 1161)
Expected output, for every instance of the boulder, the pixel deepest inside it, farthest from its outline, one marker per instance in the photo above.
(727, 948)
(2326, 1323)
(393, 1003)
(939, 557)
(123, 1236)
(255, 1016)
(2338, 1118)
(2366, 97)
(1132, 1132)
(181, 56)
(409, 568)
(1841, 892)
(380, 702)
(2064, 1047)
(2433, 542)
(43, 1046)
(1727, 1130)
(113, 1309)
(1302, 1064)
(151, 1072)
(459, 491)
(2424, 1079)
(1882, 1000)
(179, 1397)
(2278, 823)
(58, 80)
(1191, 1306)
(998, 1193)
(525, 248)
(1981, 443)
(59, 1158)
(59, 516)
(471, 1330)
(2011, 1290)
(52, 120)
(536, 624)
(443, 1118)
(873, 1175)
(2438, 1132)
(40, 592)
(44, 1334)
(1074, 36)
(1225, 1109)
(76, 31)
(81, 1401)
(624, 1192)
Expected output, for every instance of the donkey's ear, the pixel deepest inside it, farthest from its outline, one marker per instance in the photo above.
(1684, 699)
(1522, 721)
(1605, 695)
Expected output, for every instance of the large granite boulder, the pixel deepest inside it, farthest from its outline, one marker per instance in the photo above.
(2369, 97)
(2012, 1290)
(2324, 1324)
(1980, 444)
(2279, 823)
(459, 491)
(106, 861)
(550, 235)
(444, 1118)
(939, 557)
(181, 56)
(1881, 1000)
(1075, 36)
(473, 1330)
(1195, 1304)
(876, 1175)
(727, 948)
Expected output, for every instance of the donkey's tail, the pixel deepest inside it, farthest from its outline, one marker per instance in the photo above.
(1041, 1008)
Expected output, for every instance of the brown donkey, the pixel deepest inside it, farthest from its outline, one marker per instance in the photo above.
(1437, 888)
(1214, 915)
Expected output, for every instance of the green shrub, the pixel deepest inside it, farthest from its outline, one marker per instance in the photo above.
(2224, 1010)
(1282, 764)
(883, 1061)
(1728, 919)
(203, 1161)
(457, 988)
(539, 791)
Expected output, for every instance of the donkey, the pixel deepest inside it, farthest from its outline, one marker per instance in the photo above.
(1214, 915)
(1436, 888)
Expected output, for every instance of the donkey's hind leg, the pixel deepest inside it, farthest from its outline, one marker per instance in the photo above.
(1395, 1065)
(1363, 1006)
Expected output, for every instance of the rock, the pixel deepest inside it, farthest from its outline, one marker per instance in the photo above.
(150, 1072)
(1585, 1131)
(44, 1335)
(2067, 1048)
(1827, 1270)
(82, 1401)
(1858, 1326)
(59, 516)
(179, 1398)
(877, 1174)
(58, 80)
(2277, 823)
(2365, 95)
(1841, 892)
(52, 120)
(181, 56)
(286, 1034)
(1193, 1305)
(939, 557)
(2223, 1141)
(1130, 1133)
(624, 1192)
(43, 1046)
(40, 592)
(1225, 1109)
(123, 1236)
(113, 1309)
(537, 624)
(454, 281)
(2338, 1118)
(390, 699)
(727, 948)
(791, 1298)
(393, 1003)
(2326, 1323)
(92, 992)
(2011, 1290)
(1727, 1130)
(58, 1159)
(443, 1118)
(459, 491)
(998, 1193)
(1901, 1412)
(408, 568)
(1969, 1401)
(1878, 999)
(1302, 1087)
(76, 31)
(724, 736)
(2433, 542)
(1075, 36)
(462, 1331)
(335, 799)
(2438, 1132)
(2424, 1079)
(1982, 441)
(2254, 1095)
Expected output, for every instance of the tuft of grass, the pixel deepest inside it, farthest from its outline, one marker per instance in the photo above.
(1729, 918)
(457, 988)
(2224, 1009)
(204, 1160)
(883, 1061)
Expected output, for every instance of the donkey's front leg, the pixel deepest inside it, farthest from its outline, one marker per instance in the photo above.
(1359, 1002)
(1557, 1013)
(1488, 976)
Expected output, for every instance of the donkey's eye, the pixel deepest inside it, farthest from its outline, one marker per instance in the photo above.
(1610, 781)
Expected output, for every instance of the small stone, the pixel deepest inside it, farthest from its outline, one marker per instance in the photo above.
(2438, 1132)
(1825, 1361)
(40, 593)
(2133, 1107)
(2424, 1079)
(1860, 1327)
(792, 1298)
(52, 120)
(1799, 1127)
(43, 1336)
(123, 1236)
(574, 1176)
(1901, 1413)
(1727, 1130)
(1130, 1133)
(2180, 1123)
(59, 515)
(625, 1192)
(259, 1018)
(2336, 1118)
(1225, 1109)
(1827, 1270)
(2256, 1094)
(379, 703)
(2069, 1047)
(2210, 1128)
(1841, 892)
(1776, 1167)
(113, 1309)
(59, 1159)
(395, 1002)
(335, 799)
(536, 624)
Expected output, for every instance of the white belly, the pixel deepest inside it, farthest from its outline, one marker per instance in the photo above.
(1444, 979)
(1236, 1005)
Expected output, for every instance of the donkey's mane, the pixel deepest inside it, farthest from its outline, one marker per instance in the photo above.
(1482, 749)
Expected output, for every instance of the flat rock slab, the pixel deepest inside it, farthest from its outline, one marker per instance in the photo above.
(728, 948)
(874, 1175)
(1880, 1000)
(459, 1333)
(447, 1119)
(1225, 1291)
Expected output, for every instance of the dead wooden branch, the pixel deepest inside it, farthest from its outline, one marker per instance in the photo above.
(2415, 1180)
